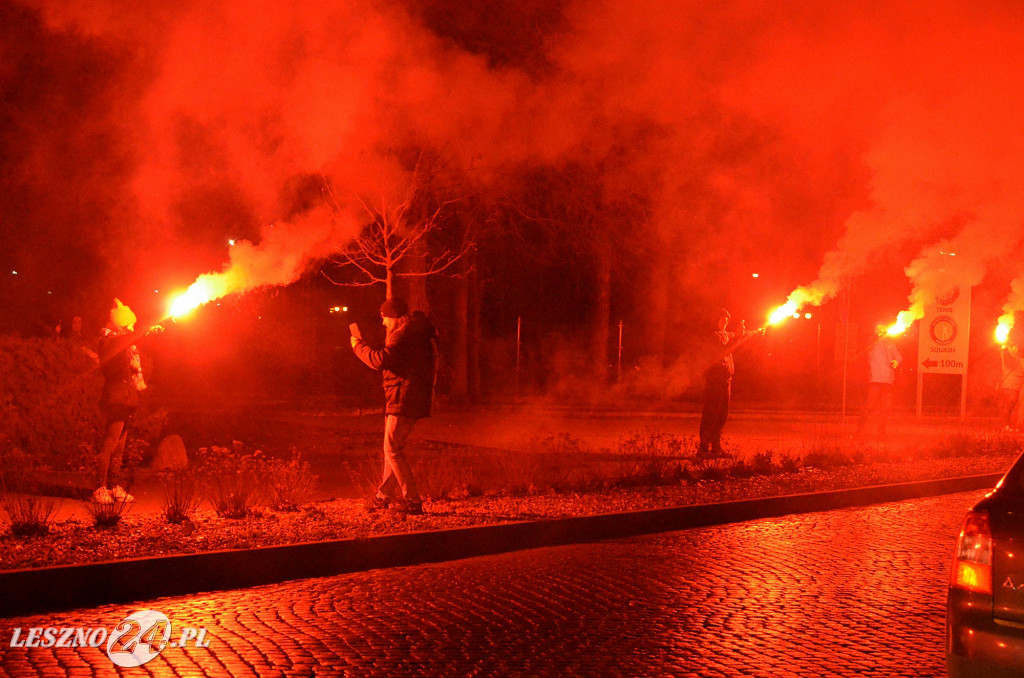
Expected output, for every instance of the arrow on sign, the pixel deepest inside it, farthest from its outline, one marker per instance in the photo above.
(930, 363)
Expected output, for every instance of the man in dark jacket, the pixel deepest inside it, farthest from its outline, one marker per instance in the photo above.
(718, 381)
(407, 361)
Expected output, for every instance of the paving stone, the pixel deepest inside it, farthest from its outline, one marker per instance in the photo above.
(857, 592)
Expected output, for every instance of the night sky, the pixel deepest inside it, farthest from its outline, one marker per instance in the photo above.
(823, 146)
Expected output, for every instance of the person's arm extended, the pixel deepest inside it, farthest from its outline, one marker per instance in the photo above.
(114, 345)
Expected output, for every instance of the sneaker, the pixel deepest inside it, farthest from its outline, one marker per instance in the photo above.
(412, 507)
(118, 494)
(102, 496)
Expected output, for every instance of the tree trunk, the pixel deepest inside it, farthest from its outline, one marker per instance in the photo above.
(602, 308)
(657, 319)
(473, 336)
(460, 341)
(417, 287)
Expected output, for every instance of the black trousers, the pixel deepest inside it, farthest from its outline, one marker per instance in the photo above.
(717, 393)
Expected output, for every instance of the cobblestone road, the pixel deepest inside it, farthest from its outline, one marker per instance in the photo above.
(858, 592)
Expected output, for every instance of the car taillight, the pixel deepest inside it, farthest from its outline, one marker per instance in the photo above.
(972, 558)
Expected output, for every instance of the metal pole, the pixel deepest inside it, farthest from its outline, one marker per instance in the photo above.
(846, 361)
(618, 369)
(817, 363)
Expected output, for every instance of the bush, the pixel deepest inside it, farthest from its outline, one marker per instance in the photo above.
(49, 405)
(289, 483)
(763, 464)
(966, 444)
(650, 458)
(49, 393)
(29, 512)
(708, 465)
(108, 515)
(831, 457)
(233, 478)
(182, 495)
(563, 463)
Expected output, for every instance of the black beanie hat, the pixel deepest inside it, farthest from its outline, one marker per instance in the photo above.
(393, 307)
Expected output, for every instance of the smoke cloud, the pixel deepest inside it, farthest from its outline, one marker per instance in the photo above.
(802, 141)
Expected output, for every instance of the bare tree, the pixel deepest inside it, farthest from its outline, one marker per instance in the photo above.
(399, 239)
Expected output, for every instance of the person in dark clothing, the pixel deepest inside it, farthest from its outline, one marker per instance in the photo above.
(77, 338)
(718, 381)
(122, 381)
(407, 362)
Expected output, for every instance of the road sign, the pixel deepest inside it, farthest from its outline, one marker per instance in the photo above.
(944, 337)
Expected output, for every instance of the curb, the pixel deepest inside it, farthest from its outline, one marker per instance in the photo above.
(51, 589)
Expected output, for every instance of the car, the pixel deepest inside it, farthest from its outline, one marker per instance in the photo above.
(985, 599)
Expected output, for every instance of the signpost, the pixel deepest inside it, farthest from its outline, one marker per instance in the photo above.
(944, 340)
(845, 350)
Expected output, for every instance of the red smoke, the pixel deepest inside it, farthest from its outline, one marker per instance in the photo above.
(809, 141)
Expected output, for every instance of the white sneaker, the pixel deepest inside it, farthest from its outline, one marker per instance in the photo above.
(119, 494)
(101, 495)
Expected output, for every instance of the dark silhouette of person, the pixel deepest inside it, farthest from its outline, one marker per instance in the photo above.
(121, 366)
(407, 361)
(718, 381)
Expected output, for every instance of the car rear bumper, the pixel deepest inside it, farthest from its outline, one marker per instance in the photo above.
(977, 646)
(962, 667)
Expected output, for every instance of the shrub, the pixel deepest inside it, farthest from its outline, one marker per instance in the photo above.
(564, 463)
(108, 515)
(49, 404)
(30, 513)
(289, 483)
(830, 457)
(49, 394)
(182, 495)
(514, 472)
(789, 463)
(966, 444)
(232, 477)
(763, 464)
(740, 469)
(650, 457)
(708, 465)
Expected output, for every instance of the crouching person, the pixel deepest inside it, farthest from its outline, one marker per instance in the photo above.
(408, 362)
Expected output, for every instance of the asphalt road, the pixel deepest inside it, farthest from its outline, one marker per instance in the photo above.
(856, 592)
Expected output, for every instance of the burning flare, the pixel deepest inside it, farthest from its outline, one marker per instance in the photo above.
(800, 297)
(904, 319)
(206, 288)
(782, 312)
(1003, 328)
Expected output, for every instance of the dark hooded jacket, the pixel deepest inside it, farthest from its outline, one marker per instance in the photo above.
(121, 367)
(407, 361)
